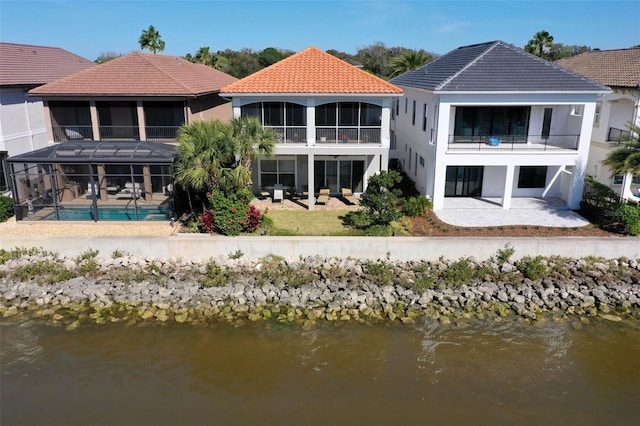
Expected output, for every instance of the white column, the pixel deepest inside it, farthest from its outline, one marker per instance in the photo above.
(310, 181)
(47, 121)
(311, 124)
(580, 168)
(385, 130)
(440, 163)
(508, 187)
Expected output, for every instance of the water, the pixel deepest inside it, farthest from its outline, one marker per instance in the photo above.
(110, 213)
(482, 373)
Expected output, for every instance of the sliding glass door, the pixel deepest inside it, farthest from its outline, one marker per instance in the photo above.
(338, 174)
(464, 181)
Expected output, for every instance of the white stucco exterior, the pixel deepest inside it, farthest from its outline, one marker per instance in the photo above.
(564, 153)
(617, 110)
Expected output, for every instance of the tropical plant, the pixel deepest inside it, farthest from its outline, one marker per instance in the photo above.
(250, 141)
(408, 60)
(626, 158)
(150, 39)
(380, 203)
(205, 149)
(6, 208)
(540, 44)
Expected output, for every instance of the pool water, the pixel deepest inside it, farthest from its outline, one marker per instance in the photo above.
(111, 213)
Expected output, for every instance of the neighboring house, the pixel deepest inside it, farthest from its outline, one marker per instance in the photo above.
(333, 122)
(22, 121)
(490, 120)
(136, 97)
(620, 70)
(114, 128)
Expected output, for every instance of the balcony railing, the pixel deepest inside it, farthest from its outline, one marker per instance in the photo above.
(290, 134)
(514, 142)
(72, 132)
(120, 133)
(618, 135)
(162, 133)
(353, 135)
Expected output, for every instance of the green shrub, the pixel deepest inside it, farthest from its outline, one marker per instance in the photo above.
(503, 255)
(534, 268)
(416, 206)
(6, 208)
(229, 210)
(44, 272)
(459, 272)
(381, 270)
(630, 217)
(379, 231)
(19, 252)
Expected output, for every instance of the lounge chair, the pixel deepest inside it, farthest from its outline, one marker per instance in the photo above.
(130, 190)
(93, 189)
(493, 141)
(278, 194)
(324, 195)
(348, 196)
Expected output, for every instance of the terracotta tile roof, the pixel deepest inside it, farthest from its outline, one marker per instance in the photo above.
(620, 68)
(312, 71)
(140, 74)
(26, 65)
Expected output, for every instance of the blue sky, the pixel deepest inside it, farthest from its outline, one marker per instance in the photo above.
(90, 27)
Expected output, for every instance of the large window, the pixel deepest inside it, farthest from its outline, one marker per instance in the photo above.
(491, 121)
(276, 114)
(532, 177)
(348, 122)
(338, 174)
(281, 171)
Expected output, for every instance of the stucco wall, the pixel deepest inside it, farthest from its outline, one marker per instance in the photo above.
(202, 247)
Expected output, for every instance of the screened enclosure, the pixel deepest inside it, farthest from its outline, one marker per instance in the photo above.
(87, 180)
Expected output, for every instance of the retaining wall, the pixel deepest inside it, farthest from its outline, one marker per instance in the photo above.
(202, 247)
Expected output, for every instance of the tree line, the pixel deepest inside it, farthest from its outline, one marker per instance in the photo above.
(378, 59)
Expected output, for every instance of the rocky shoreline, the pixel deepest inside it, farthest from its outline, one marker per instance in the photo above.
(98, 289)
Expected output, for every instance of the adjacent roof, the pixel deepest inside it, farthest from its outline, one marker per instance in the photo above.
(495, 67)
(620, 68)
(100, 152)
(140, 74)
(27, 65)
(311, 71)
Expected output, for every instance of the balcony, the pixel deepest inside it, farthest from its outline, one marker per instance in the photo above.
(119, 133)
(618, 135)
(352, 135)
(501, 143)
(287, 135)
(72, 132)
(162, 133)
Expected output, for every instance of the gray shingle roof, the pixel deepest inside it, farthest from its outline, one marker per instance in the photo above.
(494, 67)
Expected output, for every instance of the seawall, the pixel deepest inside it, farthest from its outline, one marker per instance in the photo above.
(201, 247)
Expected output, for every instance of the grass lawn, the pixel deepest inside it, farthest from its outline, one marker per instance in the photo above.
(303, 222)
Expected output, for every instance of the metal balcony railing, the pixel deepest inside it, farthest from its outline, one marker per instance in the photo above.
(72, 132)
(121, 133)
(162, 133)
(290, 134)
(353, 135)
(618, 135)
(514, 142)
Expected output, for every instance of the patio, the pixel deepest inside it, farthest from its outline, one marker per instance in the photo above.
(484, 212)
(334, 203)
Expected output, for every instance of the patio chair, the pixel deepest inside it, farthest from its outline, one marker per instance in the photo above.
(323, 196)
(130, 190)
(93, 189)
(348, 196)
(493, 141)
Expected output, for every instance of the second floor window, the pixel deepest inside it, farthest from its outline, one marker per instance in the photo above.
(277, 114)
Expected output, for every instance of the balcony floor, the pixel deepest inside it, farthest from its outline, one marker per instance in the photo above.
(537, 147)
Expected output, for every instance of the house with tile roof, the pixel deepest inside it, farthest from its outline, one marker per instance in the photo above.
(22, 119)
(112, 129)
(492, 121)
(135, 97)
(620, 70)
(333, 122)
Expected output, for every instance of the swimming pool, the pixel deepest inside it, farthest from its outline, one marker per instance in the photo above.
(111, 213)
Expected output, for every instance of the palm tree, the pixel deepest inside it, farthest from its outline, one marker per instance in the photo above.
(626, 159)
(409, 60)
(204, 151)
(150, 39)
(537, 45)
(250, 141)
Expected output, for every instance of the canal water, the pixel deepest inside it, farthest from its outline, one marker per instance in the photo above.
(471, 372)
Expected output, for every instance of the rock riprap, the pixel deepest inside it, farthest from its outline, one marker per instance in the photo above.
(122, 288)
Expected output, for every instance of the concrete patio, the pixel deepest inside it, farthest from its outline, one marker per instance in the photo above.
(483, 212)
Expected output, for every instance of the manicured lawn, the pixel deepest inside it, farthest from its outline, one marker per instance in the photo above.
(303, 222)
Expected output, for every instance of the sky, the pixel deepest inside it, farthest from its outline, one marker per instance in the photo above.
(91, 27)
